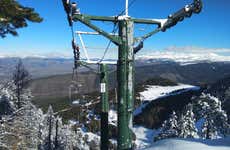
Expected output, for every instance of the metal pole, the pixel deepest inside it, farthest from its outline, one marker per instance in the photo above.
(125, 84)
(126, 7)
(104, 107)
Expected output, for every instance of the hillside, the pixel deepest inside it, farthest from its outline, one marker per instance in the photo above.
(58, 85)
(54, 90)
(158, 110)
(195, 74)
(145, 138)
(189, 74)
(169, 95)
(155, 111)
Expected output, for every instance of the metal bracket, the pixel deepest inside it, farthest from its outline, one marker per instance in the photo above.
(86, 19)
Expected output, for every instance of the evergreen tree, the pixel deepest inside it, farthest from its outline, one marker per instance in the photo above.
(7, 97)
(6, 107)
(30, 118)
(29, 128)
(221, 121)
(186, 123)
(22, 126)
(57, 126)
(209, 130)
(216, 120)
(49, 131)
(13, 16)
(21, 79)
(169, 128)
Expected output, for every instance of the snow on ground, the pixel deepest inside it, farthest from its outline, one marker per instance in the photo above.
(191, 144)
(76, 102)
(91, 136)
(154, 92)
(113, 117)
(144, 136)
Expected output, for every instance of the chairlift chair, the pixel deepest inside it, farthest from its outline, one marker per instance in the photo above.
(76, 85)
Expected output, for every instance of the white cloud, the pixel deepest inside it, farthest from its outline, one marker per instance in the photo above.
(178, 54)
(23, 54)
(67, 53)
(188, 54)
(194, 49)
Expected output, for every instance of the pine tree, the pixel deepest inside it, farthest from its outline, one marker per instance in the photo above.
(31, 118)
(216, 120)
(5, 106)
(7, 97)
(49, 121)
(29, 128)
(221, 121)
(22, 126)
(169, 128)
(209, 130)
(21, 79)
(186, 123)
(14, 16)
(57, 126)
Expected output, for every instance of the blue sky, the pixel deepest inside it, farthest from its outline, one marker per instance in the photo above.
(209, 30)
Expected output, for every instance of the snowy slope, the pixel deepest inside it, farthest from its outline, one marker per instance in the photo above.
(144, 136)
(154, 92)
(191, 144)
(144, 139)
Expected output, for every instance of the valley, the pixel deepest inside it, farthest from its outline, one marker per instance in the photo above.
(164, 86)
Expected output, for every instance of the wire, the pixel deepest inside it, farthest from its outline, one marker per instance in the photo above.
(99, 48)
(112, 71)
(72, 31)
(130, 4)
(115, 28)
(105, 52)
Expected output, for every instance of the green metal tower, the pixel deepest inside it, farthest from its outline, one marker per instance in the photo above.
(104, 106)
(125, 65)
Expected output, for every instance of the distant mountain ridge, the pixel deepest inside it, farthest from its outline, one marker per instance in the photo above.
(180, 56)
(43, 67)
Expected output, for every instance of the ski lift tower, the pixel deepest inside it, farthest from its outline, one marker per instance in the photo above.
(125, 64)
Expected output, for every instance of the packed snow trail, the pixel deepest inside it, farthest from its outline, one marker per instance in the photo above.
(191, 144)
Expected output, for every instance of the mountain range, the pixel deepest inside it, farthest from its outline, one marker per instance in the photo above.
(43, 66)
